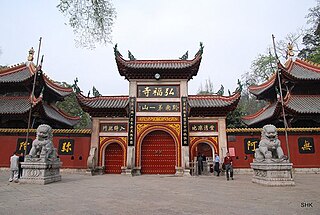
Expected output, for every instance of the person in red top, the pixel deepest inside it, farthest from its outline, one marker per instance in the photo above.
(228, 164)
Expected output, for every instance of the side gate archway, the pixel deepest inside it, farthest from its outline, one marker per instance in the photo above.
(112, 156)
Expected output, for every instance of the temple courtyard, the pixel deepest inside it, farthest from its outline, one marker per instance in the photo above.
(159, 194)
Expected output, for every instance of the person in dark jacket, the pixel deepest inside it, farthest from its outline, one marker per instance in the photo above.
(21, 159)
(228, 164)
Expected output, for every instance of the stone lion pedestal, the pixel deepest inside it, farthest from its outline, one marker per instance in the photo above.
(272, 174)
(41, 166)
(40, 171)
(270, 166)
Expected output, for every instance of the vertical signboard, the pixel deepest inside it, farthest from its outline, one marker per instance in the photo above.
(184, 113)
(132, 118)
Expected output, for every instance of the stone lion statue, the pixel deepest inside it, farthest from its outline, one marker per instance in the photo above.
(269, 146)
(42, 146)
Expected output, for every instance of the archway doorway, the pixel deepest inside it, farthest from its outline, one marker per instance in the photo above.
(158, 153)
(113, 158)
(203, 149)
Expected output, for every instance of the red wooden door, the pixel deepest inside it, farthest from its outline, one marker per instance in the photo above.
(158, 154)
(113, 158)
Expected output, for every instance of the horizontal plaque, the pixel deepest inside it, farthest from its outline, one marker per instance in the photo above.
(113, 127)
(158, 91)
(203, 127)
(158, 106)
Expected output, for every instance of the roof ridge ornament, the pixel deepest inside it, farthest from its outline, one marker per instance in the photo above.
(31, 53)
(130, 56)
(289, 51)
(184, 57)
(116, 52)
(200, 52)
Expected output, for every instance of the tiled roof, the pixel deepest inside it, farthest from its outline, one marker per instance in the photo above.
(62, 91)
(265, 113)
(14, 105)
(305, 104)
(21, 105)
(168, 69)
(259, 89)
(303, 70)
(212, 101)
(23, 72)
(18, 73)
(58, 115)
(113, 102)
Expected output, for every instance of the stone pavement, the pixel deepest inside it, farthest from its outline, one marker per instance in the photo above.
(155, 194)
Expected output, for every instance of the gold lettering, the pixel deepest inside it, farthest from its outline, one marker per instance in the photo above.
(306, 146)
(146, 91)
(66, 147)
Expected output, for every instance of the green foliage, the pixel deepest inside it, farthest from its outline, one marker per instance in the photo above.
(312, 38)
(91, 20)
(260, 71)
(71, 106)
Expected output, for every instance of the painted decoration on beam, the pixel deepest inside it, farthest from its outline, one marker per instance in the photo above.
(132, 118)
(184, 113)
(66, 147)
(306, 145)
(204, 127)
(23, 145)
(158, 91)
(250, 145)
(158, 106)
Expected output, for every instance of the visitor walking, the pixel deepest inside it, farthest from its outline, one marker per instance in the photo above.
(217, 164)
(14, 167)
(228, 164)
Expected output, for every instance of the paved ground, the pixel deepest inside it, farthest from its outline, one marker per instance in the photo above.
(116, 194)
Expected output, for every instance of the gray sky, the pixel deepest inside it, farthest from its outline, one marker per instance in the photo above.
(233, 32)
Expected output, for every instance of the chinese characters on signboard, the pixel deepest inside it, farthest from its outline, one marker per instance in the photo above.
(204, 127)
(161, 91)
(132, 116)
(113, 127)
(185, 133)
(23, 145)
(306, 145)
(250, 145)
(66, 147)
(158, 106)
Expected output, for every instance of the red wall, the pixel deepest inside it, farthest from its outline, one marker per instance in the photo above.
(8, 144)
(299, 160)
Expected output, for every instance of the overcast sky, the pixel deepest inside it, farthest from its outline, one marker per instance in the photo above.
(233, 32)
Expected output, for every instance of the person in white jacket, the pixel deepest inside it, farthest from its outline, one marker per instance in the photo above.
(14, 168)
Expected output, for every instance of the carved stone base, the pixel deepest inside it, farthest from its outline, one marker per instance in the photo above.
(272, 174)
(126, 171)
(179, 171)
(40, 171)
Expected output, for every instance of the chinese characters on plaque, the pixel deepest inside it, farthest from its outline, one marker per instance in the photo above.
(155, 91)
(306, 145)
(204, 127)
(132, 116)
(250, 145)
(23, 145)
(113, 127)
(66, 147)
(185, 133)
(158, 106)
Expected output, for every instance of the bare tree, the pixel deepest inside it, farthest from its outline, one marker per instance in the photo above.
(91, 20)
